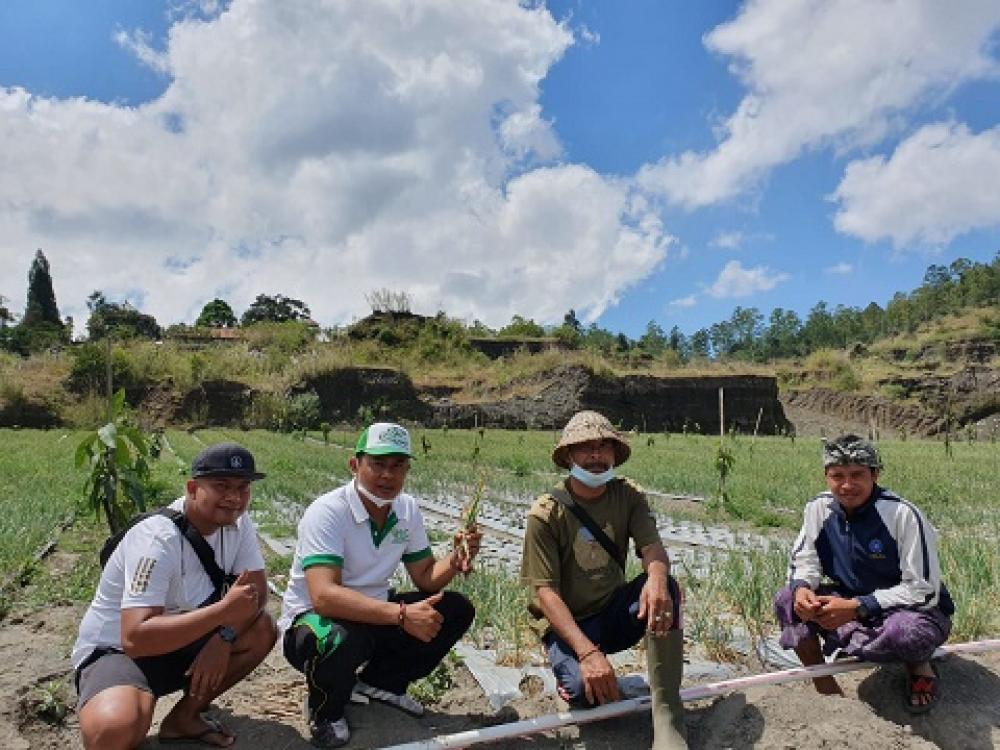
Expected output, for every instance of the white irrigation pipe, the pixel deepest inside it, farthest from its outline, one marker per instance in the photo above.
(635, 705)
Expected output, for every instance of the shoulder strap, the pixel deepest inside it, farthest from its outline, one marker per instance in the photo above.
(200, 546)
(577, 510)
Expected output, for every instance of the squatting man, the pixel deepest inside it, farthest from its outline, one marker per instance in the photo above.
(158, 624)
(575, 543)
(342, 626)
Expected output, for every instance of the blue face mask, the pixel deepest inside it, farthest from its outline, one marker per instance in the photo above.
(589, 478)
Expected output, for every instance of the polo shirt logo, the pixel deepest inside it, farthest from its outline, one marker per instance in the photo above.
(399, 535)
(875, 549)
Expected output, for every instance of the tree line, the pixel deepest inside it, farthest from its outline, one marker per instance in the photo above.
(747, 334)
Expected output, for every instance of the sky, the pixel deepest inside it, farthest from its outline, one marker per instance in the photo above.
(635, 161)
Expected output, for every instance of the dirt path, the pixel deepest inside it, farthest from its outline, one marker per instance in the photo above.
(265, 709)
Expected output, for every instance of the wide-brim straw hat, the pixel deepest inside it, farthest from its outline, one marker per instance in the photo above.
(589, 425)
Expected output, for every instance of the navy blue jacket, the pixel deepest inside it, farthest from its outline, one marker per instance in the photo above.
(885, 555)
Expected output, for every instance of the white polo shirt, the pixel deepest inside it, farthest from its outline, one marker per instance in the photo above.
(155, 566)
(337, 530)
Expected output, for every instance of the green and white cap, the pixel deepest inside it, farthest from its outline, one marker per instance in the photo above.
(384, 439)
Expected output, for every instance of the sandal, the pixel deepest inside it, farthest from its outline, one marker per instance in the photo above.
(922, 686)
(212, 727)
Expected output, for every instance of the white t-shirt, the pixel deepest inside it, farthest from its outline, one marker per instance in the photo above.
(155, 566)
(337, 530)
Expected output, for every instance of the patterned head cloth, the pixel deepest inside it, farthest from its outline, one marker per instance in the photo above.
(850, 449)
(589, 425)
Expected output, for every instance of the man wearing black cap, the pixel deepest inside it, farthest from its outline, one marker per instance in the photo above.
(157, 623)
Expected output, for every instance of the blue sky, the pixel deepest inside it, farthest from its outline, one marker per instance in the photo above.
(640, 160)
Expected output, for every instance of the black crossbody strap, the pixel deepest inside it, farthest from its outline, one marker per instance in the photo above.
(201, 548)
(577, 510)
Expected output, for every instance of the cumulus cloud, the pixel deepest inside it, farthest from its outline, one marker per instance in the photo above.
(825, 72)
(321, 150)
(840, 269)
(939, 183)
(736, 281)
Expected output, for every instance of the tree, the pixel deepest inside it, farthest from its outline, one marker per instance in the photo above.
(571, 321)
(217, 314)
(387, 301)
(41, 306)
(783, 335)
(679, 343)
(520, 328)
(599, 339)
(276, 309)
(654, 340)
(119, 320)
(115, 457)
(700, 343)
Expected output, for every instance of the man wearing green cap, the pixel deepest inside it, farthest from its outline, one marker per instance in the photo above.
(338, 611)
(864, 576)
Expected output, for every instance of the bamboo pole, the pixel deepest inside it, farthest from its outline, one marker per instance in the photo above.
(635, 705)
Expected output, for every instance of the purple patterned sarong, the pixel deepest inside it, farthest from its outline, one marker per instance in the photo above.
(908, 635)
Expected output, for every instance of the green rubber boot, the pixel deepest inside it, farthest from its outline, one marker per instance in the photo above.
(665, 662)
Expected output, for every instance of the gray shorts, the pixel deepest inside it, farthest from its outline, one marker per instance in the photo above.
(159, 675)
(110, 670)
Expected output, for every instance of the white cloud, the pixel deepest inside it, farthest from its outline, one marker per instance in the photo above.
(736, 281)
(690, 301)
(728, 240)
(826, 72)
(939, 183)
(840, 269)
(321, 150)
(137, 42)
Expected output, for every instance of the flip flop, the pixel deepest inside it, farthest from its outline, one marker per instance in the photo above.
(922, 685)
(201, 738)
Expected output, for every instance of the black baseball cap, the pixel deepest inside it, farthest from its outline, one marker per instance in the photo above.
(225, 460)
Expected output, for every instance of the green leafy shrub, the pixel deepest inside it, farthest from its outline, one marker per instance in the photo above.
(115, 455)
(89, 370)
(304, 411)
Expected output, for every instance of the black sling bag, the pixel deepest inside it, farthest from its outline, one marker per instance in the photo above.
(195, 539)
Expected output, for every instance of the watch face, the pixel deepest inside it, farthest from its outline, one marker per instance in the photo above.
(227, 634)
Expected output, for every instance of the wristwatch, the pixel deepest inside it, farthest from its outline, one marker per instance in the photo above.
(862, 611)
(227, 634)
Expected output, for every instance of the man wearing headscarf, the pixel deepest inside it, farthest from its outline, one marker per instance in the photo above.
(864, 576)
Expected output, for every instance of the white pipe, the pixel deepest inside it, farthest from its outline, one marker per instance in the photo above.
(635, 705)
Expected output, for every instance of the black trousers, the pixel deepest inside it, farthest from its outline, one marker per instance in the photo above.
(395, 658)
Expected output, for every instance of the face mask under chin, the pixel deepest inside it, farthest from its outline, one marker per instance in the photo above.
(590, 479)
(380, 502)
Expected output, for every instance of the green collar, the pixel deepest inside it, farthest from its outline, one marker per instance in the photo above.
(379, 534)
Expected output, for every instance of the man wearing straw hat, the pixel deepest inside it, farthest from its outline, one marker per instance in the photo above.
(575, 544)
(864, 576)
